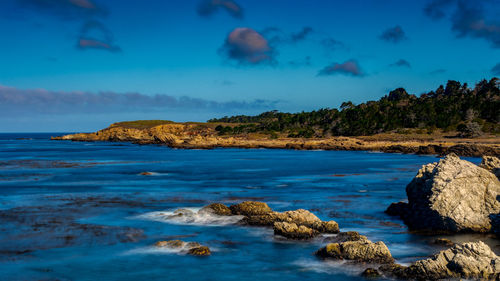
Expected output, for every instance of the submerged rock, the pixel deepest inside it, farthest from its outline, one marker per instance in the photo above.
(146, 174)
(199, 251)
(190, 248)
(216, 209)
(370, 273)
(346, 236)
(250, 208)
(473, 260)
(358, 251)
(451, 195)
(444, 242)
(293, 231)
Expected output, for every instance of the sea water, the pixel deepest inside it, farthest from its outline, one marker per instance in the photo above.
(84, 211)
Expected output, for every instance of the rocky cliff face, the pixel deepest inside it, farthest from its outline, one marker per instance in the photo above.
(451, 195)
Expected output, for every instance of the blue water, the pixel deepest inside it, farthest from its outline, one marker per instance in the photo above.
(80, 211)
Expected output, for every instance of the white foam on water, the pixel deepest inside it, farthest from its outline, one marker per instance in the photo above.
(330, 266)
(190, 217)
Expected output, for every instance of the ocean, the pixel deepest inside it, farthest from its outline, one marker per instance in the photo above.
(84, 211)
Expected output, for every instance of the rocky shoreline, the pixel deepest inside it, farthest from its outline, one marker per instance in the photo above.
(452, 195)
(204, 136)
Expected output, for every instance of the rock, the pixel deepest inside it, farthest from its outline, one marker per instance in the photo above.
(444, 242)
(299, 217)
(451, 195)
(190, 248)
(394, 270)
(250, 208)
(170, 244)
(146, 174)
(491, 164)
(326, 226)
(370, 273)
(346, 236)
(216, 209)
(397, 209)
(183, 212)
(359, 251)
(294, 231)
(199, 251)
(473, 260)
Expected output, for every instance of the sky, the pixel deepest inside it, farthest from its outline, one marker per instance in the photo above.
(80, 65)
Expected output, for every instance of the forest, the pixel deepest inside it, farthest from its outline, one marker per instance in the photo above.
(455, 107)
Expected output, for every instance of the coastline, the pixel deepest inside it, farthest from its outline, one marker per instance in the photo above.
(204, 136)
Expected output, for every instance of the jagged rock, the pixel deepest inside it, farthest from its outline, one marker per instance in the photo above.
(359, 251)
(199, 251)
(473, 260)
(451, 195)
(250, 208)
(216, 209)
(170, 244)
(294, 231)
(491, 164)
(394, 270)
(346, 236)
(397, 209)
(444, 242)
(370, 273)
(326, 226)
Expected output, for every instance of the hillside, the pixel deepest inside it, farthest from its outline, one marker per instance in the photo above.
(454, 107)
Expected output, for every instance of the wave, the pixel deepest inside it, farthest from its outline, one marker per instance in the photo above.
(190, 216)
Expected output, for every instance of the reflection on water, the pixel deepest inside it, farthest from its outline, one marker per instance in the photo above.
(89, 211)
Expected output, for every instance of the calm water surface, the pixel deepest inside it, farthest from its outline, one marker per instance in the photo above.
(82, 211)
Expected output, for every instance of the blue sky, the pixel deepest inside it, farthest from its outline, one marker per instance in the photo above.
(79, 65)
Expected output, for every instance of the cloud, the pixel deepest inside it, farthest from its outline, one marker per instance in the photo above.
(394, 35)
(301, 35)
(94, 35)
(39, 101)
(401, 63)
(496, 69)
(247, 46)
(65, 9)
(468, 18)
(207, 8)
(470, 21)
(350, 67)
(435, 9)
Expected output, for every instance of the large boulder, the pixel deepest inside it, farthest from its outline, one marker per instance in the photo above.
(451, 195)
(358, 251)
(250, 208)
(473, 260)
(293, 231)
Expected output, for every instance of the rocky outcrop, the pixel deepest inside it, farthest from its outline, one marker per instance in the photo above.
(298, 217)
(370, 273)
(294, 231)
(451, 195)
(491, 164)
(357, 251)
(190, 248)
(346, 236)
(473, 260)
(250, 208)
(216, 209)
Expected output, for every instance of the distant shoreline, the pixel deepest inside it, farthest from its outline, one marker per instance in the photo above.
(204, 136)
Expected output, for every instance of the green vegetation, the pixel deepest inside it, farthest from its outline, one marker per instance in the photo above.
(142, 124)
(451, 108)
